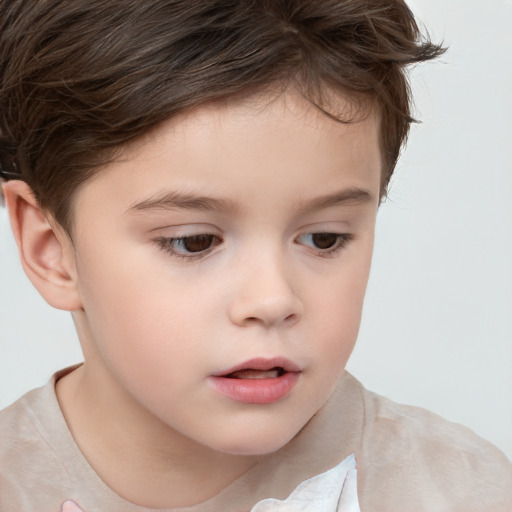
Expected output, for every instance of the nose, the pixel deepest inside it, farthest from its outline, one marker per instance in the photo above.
(265, 295)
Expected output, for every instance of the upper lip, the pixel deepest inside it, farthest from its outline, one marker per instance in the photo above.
(261, 363)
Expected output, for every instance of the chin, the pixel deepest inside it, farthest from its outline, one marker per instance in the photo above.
(262, 442)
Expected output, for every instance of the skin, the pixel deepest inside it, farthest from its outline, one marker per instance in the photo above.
(70, 506)
(155, 325)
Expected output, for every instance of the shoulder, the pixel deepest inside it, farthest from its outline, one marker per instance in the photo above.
(19, 426)
(28, 457)
(412, 459)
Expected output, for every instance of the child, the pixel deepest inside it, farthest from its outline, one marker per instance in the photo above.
(197, 182)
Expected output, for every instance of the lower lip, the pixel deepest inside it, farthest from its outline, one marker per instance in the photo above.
(256, 391)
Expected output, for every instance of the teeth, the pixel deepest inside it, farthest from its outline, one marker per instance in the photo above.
(249, 373)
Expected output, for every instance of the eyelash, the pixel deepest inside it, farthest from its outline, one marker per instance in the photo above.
(167, 244)
(342, 240)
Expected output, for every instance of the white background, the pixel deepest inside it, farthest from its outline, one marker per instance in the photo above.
(437, 326)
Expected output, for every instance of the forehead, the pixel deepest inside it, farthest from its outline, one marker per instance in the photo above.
(266, 106)
(272, 144)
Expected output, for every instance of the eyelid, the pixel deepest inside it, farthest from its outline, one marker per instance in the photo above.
(343, 239)
(185, 230)
(165, 244)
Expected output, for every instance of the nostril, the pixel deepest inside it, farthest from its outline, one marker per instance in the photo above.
(291, 318)
(256, 320)
(265, 309)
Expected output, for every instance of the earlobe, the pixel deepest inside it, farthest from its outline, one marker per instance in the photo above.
(46, 253)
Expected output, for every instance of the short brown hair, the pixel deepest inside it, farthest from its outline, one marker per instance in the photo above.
(79, 78)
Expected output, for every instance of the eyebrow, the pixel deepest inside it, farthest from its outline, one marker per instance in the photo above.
(186, 201)
(349, 196)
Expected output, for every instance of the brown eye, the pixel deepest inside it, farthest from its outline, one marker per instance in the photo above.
(197, 243)
(325, 244)
(324, 240)
(193, 246)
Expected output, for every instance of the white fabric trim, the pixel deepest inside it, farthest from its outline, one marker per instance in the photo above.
(332, 491)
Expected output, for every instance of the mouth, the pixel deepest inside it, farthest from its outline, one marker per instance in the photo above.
(260, 368)
(258, 381)
(251, 373)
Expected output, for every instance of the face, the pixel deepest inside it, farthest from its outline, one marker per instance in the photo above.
(222, 264)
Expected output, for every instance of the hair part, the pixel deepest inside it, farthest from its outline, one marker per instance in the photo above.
(81, 78)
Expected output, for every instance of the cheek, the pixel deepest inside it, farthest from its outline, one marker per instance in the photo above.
(123, 308)
(337, 331)
(338, 308)
(143, 324)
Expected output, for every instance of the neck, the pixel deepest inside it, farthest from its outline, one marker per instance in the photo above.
(134, 453)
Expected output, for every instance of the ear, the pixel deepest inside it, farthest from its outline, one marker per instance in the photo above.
(46, 251)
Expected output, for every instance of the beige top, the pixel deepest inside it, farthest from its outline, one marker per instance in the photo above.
(408, 459)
